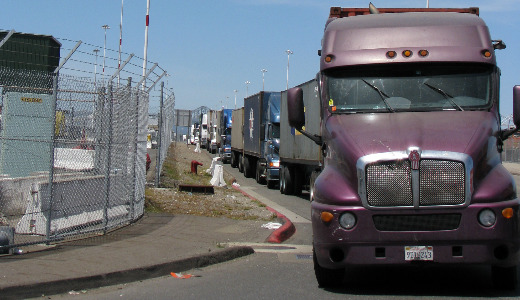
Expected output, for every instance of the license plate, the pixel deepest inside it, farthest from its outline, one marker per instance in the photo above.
(418, 253)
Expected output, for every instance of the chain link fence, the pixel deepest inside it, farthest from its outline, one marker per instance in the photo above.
(73, 148)
(511, 149)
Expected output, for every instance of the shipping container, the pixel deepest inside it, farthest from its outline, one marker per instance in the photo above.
(300, 157)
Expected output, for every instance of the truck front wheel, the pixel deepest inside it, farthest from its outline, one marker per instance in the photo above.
(504, 277)
(327, 277)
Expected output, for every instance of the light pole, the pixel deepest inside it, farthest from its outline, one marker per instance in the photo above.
(104, 50)
(263, 81)
(289, 52)
(247, 88)
(95, 69)
(235, 98)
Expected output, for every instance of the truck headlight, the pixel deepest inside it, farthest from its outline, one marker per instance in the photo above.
(487, 218)
(274, 164)
(347, 220)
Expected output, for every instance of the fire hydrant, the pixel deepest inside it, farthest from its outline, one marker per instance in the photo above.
(194, 165)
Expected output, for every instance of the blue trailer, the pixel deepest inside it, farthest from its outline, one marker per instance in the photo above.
(261, 134)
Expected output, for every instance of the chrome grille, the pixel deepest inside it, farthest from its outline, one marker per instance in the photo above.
(394, 183)
(441, 182)
(389, 184)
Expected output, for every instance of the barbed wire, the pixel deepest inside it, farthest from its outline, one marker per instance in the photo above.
(87, 60)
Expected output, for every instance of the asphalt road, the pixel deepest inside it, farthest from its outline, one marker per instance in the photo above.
(287, 272)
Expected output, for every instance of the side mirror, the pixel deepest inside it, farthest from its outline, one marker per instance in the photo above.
(516, 106)
(295, 108)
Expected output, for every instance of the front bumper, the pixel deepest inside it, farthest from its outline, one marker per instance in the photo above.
(468, 243)
(273, 173)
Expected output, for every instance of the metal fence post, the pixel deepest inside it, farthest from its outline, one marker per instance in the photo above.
(52, 146)
(135, 102)
(109, 156)
(159, 141)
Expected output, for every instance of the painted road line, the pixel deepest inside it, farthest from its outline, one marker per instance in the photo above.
(295, 218)
(273, 248)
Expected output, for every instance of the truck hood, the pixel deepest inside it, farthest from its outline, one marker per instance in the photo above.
(349, 137)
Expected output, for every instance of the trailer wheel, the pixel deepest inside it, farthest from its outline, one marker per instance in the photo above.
(289, 176)
(240, 163)
(234, 162)
(247, 167)
(282, 179)
(504, 277)
(327, 277)
(298, 181)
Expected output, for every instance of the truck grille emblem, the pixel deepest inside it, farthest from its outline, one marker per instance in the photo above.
(414, 158)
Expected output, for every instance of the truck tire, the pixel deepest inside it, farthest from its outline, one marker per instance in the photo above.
(240, 163)
(234, 162)
(312, 180)
(271, 184)
(327, 277)
(504, 277)
(247, 167)
(259, 178)
(282, 179)
(298, 178)
(289, 183)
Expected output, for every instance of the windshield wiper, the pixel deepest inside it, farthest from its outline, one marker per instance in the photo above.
(381, 94)
(446, 95)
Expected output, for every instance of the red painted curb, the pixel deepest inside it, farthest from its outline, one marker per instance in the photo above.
(281, 234)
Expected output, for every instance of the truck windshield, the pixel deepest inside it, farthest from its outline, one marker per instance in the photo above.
(409, 88)
(275, 131)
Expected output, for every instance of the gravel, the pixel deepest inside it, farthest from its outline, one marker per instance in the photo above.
(225, 202)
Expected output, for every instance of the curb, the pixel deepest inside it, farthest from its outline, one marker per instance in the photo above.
(123, 276)
(281, 234)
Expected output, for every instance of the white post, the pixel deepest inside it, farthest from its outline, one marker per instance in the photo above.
(289, 52)
(146, 41)
(263, 81)
(236, 99)
(104, 50)
(120, 42)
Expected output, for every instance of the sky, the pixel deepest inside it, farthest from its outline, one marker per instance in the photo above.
(212, 48)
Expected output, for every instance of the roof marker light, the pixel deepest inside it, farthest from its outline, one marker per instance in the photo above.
(486, 53)
(391, 54)
(328, 58)
(423, 53)
(407, 53)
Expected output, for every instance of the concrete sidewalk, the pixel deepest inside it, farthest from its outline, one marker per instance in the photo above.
(154, 246)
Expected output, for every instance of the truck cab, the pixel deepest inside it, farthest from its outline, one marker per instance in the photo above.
(226, 124)
(411, 141)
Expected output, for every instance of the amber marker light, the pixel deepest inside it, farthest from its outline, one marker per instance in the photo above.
(423, 53)
(326, 216)
(407, 53)
(333, 108)
(391, 54)
(328, 58)
(486, 53)
(508, 213)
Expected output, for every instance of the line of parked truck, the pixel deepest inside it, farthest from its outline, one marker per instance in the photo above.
(398, 141)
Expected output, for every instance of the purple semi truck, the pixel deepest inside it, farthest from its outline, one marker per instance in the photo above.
(411, 140)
